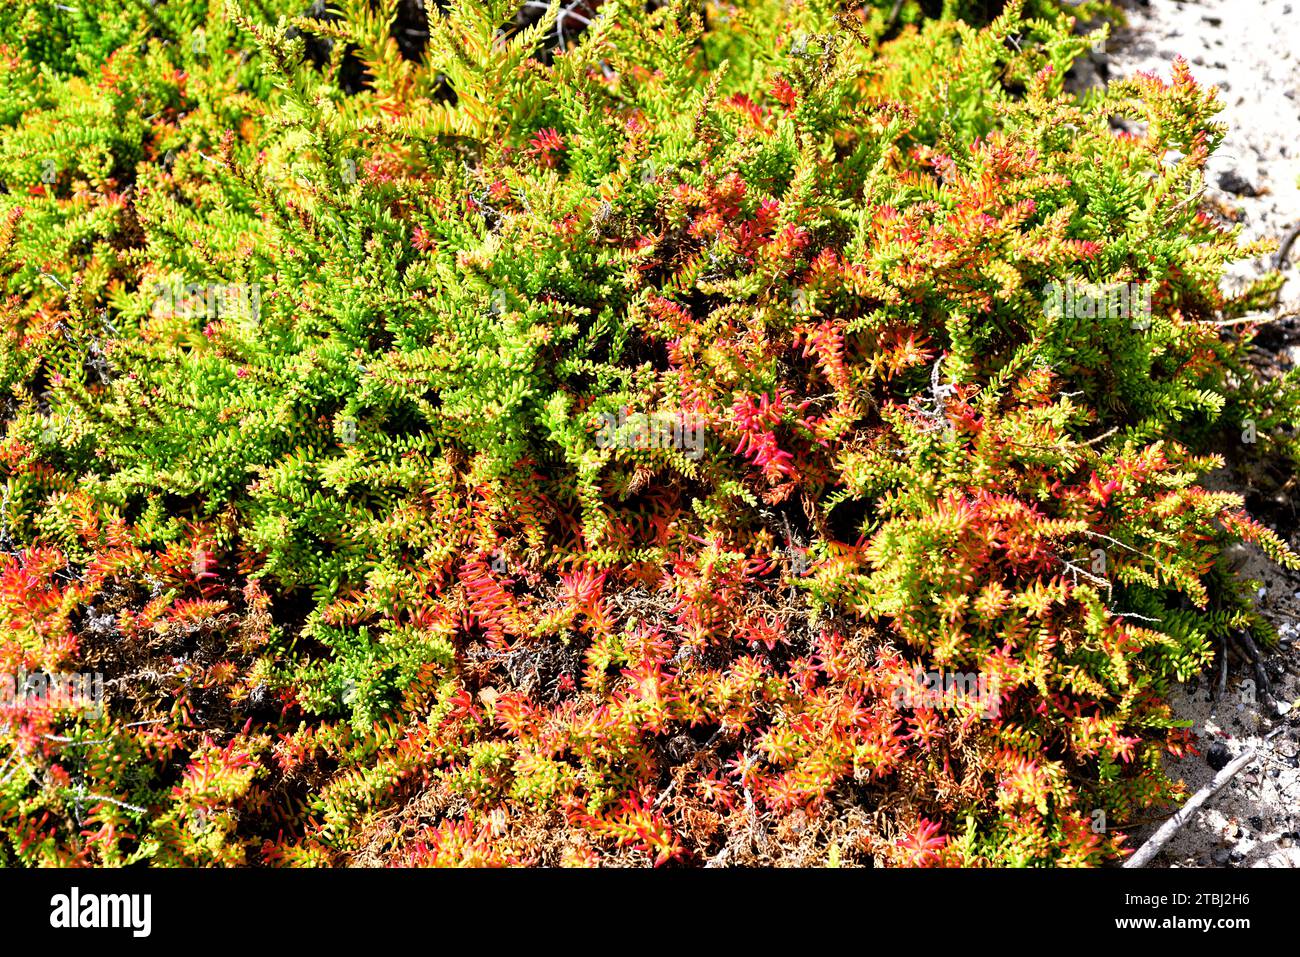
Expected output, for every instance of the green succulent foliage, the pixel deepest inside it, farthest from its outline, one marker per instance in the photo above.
(361, 337)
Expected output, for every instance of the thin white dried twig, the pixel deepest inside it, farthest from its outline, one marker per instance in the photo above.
(1166, 831)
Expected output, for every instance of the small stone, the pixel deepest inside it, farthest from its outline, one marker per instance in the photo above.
(1221, 856)
(1231, 181)
(1217, 756)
